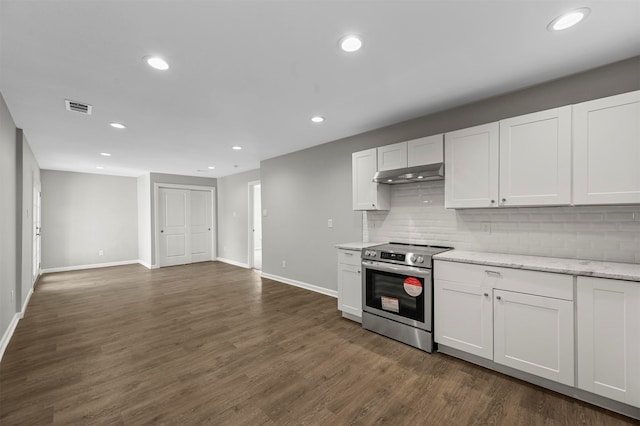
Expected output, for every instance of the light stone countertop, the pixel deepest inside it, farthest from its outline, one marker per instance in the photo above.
(588, 268)
(357, 246)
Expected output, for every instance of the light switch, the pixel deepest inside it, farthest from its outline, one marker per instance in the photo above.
(330, 223)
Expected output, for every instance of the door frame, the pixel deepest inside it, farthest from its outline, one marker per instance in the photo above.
(156, 208)
(250, 238)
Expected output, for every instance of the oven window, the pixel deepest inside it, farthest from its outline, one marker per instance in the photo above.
(385, 291)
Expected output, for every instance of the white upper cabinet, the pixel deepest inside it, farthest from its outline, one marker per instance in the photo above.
(416, 152)
(521, 161)
(606, 150)
(535, 159)
(471, 167)
(392, 157)
(427, 150)
(367, 195)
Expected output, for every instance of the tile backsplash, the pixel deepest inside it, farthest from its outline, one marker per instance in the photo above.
(418, 216)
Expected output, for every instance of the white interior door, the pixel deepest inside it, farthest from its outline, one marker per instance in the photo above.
(173, 220)
(36, 233)
(200, 228)
(257, 227)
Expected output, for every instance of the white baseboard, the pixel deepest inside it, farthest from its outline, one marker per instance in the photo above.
(26, 302)
(145, 264)
(6, 337)
(307, 286)
(93, 266)
(233, 262)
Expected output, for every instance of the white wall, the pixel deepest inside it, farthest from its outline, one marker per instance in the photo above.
(83, 213)
(8, 237)
(418, 216)
(144, 220)
(233, 216)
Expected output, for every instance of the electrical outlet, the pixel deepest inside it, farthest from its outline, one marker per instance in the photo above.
(330, 223)
(284, 263)
(100, 252)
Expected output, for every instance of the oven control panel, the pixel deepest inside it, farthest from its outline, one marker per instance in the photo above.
(393, 256)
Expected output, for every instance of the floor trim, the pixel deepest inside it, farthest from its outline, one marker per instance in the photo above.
(315, 288)
(8, 334)
(26, 302)
(233, 262)
(145, 264)
(92, 266)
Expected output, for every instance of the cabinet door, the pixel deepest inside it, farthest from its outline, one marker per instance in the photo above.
(606, 150)
(534, 334)
(471, 167)
(535, 159)
(463, 317)
(392, 157)
(608, 314)
(367, 195)
(350, 289)
(428, 150)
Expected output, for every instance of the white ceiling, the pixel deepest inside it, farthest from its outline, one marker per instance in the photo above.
(253, 73)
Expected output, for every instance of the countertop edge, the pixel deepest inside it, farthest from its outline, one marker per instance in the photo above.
(580, 267)
(356, 246)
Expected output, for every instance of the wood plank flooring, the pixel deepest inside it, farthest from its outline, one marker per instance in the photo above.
(212, 343)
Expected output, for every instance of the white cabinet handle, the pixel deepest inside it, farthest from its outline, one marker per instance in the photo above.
(493, 273)
(348, 254)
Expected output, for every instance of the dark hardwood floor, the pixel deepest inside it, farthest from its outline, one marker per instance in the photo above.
(212, 343)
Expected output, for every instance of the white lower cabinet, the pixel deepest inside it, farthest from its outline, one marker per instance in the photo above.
(519, 318)
(463, 311)
(608, 316)
(349, 283)
(534, 334)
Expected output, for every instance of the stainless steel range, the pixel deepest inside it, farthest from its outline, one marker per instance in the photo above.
(397, 292)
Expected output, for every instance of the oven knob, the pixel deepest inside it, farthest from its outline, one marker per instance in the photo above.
(420, 259)
(372, 253)
(413, 259)
(367, 252)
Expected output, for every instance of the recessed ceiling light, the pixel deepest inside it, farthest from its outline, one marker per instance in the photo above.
(157, 63)
(210, 167)
(237, 148)
(350, 43)
(569, 19)
(99, 167)
(118, 125)
(105, 154)
(317, 119)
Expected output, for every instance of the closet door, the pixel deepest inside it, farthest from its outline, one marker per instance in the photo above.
(173, 219)
(200, 226)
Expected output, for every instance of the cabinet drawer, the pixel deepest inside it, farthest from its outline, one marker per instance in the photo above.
(349, 257)
(559, 286)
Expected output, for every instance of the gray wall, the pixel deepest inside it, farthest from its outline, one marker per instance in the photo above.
(144, 220)
(28, 180)
(8, 236)
(303, 189)
(83, 213)
(174, 179)
(233, 216)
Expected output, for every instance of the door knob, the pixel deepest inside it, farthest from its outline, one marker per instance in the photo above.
(162, 230)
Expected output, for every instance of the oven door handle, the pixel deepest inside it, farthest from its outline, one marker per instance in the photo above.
(385, 267)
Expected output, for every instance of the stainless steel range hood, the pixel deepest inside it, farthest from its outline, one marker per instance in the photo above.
(411, 174)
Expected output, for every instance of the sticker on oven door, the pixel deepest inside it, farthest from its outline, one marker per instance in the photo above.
(413, 286)
(390, 304)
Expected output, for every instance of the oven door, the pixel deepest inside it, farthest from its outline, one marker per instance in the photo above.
(401, 293)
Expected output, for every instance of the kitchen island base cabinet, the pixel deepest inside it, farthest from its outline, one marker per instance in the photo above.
(608, 316)
(350, 284)
(534, 334)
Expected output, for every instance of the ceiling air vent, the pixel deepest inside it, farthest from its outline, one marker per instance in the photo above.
(78, 107)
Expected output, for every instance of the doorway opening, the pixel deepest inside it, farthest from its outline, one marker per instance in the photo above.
(255, 225)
